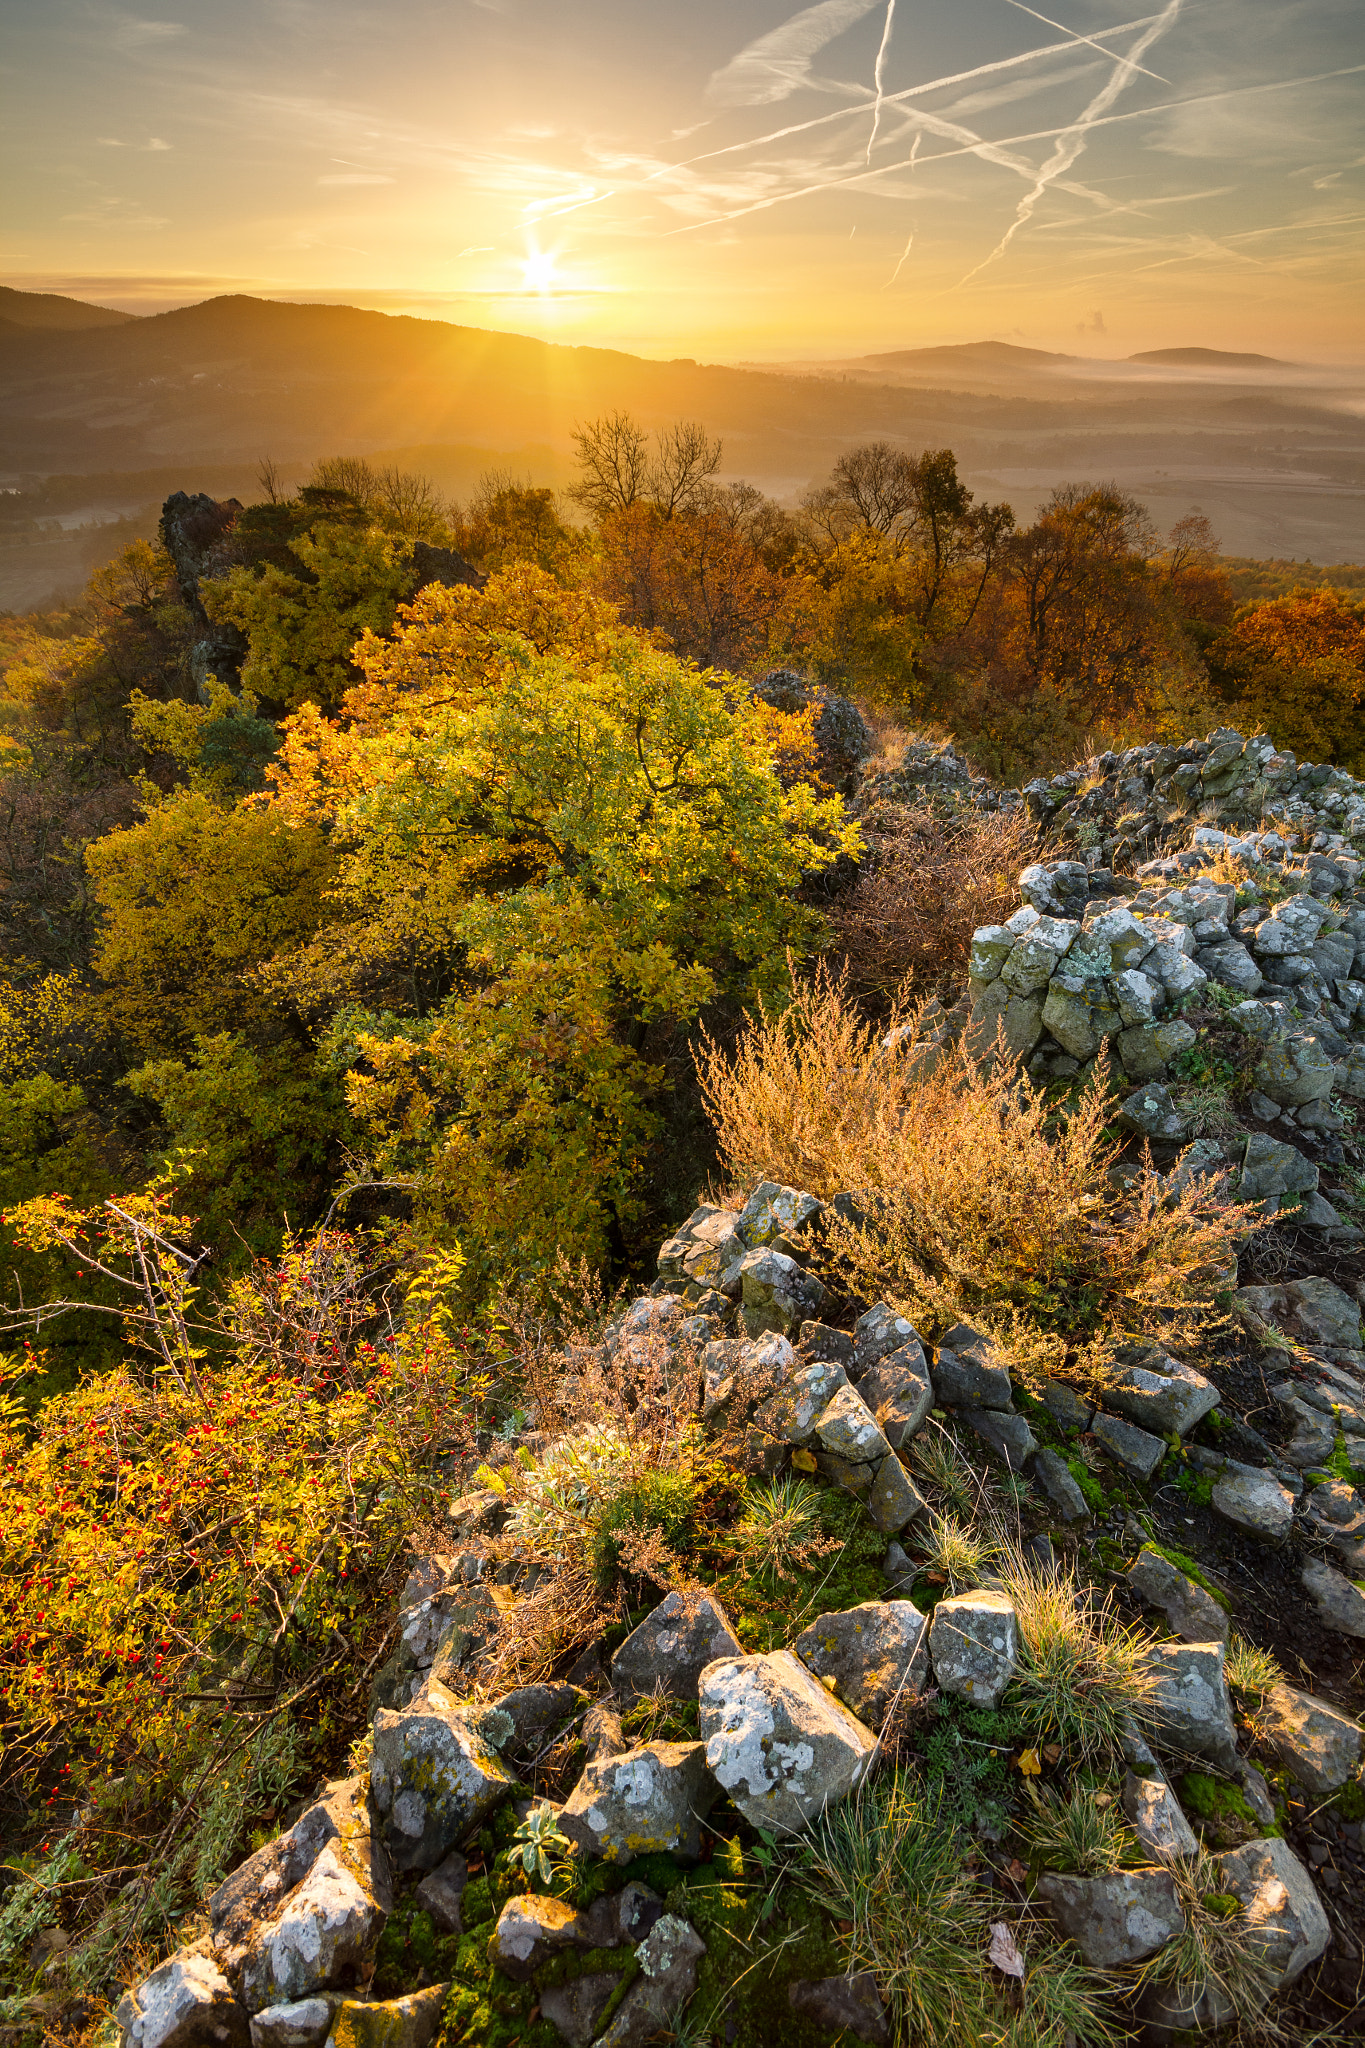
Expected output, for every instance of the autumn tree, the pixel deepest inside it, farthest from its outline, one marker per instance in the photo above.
(1296, 667)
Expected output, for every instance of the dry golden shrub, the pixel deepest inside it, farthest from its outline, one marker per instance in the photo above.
(930, 880)
(981, 1200)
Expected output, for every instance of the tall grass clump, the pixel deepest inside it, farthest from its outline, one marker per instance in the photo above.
(983, 1201)
(890, 1867)
(1082, 1673)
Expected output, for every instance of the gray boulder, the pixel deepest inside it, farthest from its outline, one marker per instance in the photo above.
(1340, 1603)
(789, 1415)
(186, 2003)
(672, 1646)
(412, 2021)
(853, 1451)
(575, 2009)
(1156, 1817)
(1151, 1111)
(967, 1374)
(530, 1930)
(974, 1645)
(1116, 1919)
(442, 1890)
(1316, 1743)
(706, 1251)
(1006, 1435)
(870, 1656)
(303, 2023)
(651, 1800)
(1284, 1916)
(1271, 1170)
(776, 1293)
(669, 1958)
(1255, 1501)
(1295, 1070)
(1322, 1314)
(434, 1777)
(881, 1332)
(1136, 1450)
(256, 1888)
(899, 1393)
(1190, 1707)
(776, 1740)
(325, 1934)
(1159, 1392)
(774, 1212)
(1191, 1612)
(1053, 1474)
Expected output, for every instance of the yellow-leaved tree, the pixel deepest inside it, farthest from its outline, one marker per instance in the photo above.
(556, 843)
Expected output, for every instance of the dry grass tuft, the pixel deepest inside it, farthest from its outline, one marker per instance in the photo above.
(907, 922)
(983, 1201)
(1083, 1674)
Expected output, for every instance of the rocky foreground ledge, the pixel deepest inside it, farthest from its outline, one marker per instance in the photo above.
(294, 1934)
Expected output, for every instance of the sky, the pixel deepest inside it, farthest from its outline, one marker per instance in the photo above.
(723, 179)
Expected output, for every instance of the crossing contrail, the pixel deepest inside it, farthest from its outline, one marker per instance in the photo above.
(877, 74)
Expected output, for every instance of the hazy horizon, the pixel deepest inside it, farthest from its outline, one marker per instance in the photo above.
(760, 182)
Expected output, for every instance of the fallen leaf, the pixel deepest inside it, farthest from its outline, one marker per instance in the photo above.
(1029, 1764)
(803, 1461)
(844, 1926)
(1003, 1952)
(1052, 1751)
(1016, 1870)
(1103, 1799)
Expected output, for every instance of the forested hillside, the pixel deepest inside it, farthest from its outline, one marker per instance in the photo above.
(410, 912)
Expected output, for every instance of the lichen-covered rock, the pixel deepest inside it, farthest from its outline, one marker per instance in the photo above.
(669, 1958)
(967, 1372)
(880, 1333)
(1151, 1111)
(1315, 1742)
(1340, 1603)
(974, 1645)
(1271, 1170)
(672, 1646)
(1255, 1501)
(1321, 1313)
(706, 1251)
(789, 1415)
(776, 1740)
(412, 2021)
(186, 2003)
(1160, 1392)
(1283, 1914)
(899, 1393)
(257, 1887)
(434, 1777)
(1190, 1707)
(852, 1450)
(773, 1212)
(1136, 1450)
(531, 1928)
(1116, 1919)
(1156, 1817)
(324, 1935)
(304, 2023)
(1191, 1612)
(870, 1656)
(1295, 1070)
(776, 1293)
(649, 1801)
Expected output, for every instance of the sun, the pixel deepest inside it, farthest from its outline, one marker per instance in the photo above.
(538, 271)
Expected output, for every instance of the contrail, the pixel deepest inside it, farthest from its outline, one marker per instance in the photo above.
(1112, 55)
(877, 71)
(892, 99)
(1072, 140)
(998, 152)
(914, 152)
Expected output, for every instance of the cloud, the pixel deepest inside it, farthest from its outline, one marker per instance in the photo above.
(134, 34)
(776, 65)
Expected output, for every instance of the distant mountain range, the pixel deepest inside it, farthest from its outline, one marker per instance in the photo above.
(1274, 453)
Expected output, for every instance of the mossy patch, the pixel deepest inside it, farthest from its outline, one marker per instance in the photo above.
(757, 1945)
(1183, 1562)
(1096, 1498)
(1218, 1810)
